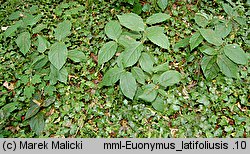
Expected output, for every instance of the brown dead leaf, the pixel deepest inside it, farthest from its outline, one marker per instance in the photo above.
(94, 57)
(9, 86)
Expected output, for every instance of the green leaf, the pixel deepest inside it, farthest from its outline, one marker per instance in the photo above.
(201, 19)
(32, 111)
(132, 54)
(107, 52)
(39, 62)
(162, 4)
(132, 34)
(63, 75)
(161, 68)
(182, 43)
(29, 91)
(149, 93)
(158, 104)
(60, 75)
(113, 30)
(227, 67)
(38, 28)
(37, 123)
(146, 62)
(223, 29)
(208, 50)
(126, 41)
(36, 79)
(111, 76)
(31, 20)
(62, 30)
(58, 54)
(10, 30)
(14, 15)
(235, 53)
(49, 101)
(131, 21)
(137, 8)
(228, 9)
(23, 42)
(212, 37)
(138, 74)
(7, 110)
(76, 56)
(241, 20)
(169, 78)
(209, 67)
(195, 40)
(128, 85)
(156, 35)
(43, 44)
(157, 18)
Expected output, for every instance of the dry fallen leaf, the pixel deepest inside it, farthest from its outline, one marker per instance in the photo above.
(9, 86)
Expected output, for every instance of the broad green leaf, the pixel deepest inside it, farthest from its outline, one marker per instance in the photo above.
(146, 62)
(156, 35)
(208, 50)
(38, 28)
(58, 54)
(227, 67)
(169, 78)
(162, 4)
(131, 21)
(137, 8)
(43, 44)
(119, 60)
(182, 43)
(32, 111)
(60, 75)
(128, 85)
(126, 41)
(138, 74)
(209, 67)
(223, 29)
(149, 93)
(228, 9)
(40, 61)
(132, 34)
(49, 101)
(132, 54)
(212, 37)
(31, 20)
(76, 56)
(63, 75)
(113, 30)
(161, 68)
(36, 79)
(195, 40)
(112, 76)
(37, 123)
(201, 19)
(157, 18)
(14, 15)
(107, 52)
(62, 30)
(53, 76)
(29, 91)
(235, 53)
(23, 42)
(7, 110)
(10, 30)
(241, 20)
(158, 104)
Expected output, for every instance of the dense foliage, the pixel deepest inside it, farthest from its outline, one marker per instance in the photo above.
(125, 68)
